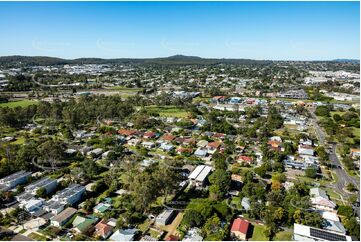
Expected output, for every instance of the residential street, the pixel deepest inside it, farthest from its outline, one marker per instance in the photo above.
(343, 178)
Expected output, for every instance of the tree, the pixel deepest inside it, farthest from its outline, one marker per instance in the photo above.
(353, 227)
(89, 204)
(311, 172)
(221, 181)
(351, 187)
(90, 168)
(323, 111)
(212, 225)
(41, 192)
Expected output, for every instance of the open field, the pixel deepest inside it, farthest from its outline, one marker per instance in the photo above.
(22, 103)
(168, 111)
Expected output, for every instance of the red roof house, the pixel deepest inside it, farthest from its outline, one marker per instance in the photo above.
(240, 228)
(245, 159)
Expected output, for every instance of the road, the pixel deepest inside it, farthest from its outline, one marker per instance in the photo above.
(343, 178)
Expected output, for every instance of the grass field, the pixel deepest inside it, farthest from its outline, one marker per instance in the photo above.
(258, 233)
(128, 89)
(168, 111)
(22, 103)
(283, 236)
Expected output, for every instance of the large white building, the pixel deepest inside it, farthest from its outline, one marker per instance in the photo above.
(199, 175)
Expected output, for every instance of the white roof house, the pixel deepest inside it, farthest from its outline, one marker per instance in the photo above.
(200, 174)
(124, 235)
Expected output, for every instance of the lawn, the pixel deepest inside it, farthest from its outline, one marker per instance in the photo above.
(283, 236)
(258, 233)
(22, 103)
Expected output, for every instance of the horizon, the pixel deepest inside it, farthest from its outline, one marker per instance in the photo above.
(276, 31)
(176, 55)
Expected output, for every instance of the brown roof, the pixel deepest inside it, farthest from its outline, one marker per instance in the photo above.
(214, 145)
(168, 137)
(127, 132)
(68, 212)
(102, 228)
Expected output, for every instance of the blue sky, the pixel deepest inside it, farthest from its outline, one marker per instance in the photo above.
(256, 30)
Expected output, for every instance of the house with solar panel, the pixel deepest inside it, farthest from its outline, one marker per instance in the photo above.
(48, 184)
(70, 195)
(10, 182)
(307, 233)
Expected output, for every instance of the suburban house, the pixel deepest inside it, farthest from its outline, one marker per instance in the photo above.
(307, 233)
(62, 218)
(244, 159)
(32, 205)
(201, 153)
(166, 147)
(355, 153)
(96, 152)
(166, 217)
(101, 208)
(82, 224)
(149, 135)
(212, 147)
(305, 150)
(199, 175)
(148, 144)
(167, 137)
(193, 234)
(182, 151)
(53, 207)
(320, 200)
(103, 230)
(9, 182)
(126, 132)
(70, 195)
(240, 229)
(246, 203)
(124, 235)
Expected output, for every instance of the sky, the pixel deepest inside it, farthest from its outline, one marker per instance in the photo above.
(254, 30)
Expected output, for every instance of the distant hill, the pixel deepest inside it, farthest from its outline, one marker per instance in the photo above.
(172, 60)
(18, 61)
